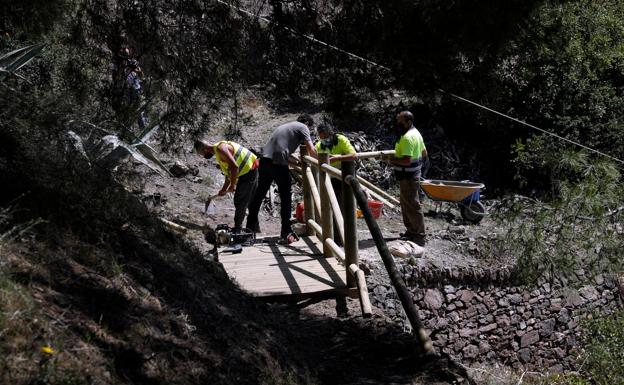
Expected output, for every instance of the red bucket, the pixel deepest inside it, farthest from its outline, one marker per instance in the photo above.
(299, 210)
(375, 208)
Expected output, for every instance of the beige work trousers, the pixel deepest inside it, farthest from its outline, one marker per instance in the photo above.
(411, 209)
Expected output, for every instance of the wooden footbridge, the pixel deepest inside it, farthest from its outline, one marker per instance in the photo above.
(316, 264)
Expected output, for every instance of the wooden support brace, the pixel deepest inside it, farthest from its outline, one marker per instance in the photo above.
(317, 229)
(377, 193)
(367, 310)
(397, 280)
(373, 188)
(337, 250)
(316, 198)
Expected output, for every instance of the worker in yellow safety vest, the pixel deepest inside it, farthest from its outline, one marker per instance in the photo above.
(240, 167)
(410, 158)
(340, 148)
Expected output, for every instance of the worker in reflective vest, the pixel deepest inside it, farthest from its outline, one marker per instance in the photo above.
(409, 158)
(240, 168)
(340, 148)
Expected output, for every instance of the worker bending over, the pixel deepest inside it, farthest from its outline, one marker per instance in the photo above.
(274, 167)
(240, 168)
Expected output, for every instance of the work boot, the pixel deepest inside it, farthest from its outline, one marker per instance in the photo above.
(417, 240)
(405, 236)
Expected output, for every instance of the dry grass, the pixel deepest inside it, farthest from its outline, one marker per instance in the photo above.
(35, 346)
(32, 346)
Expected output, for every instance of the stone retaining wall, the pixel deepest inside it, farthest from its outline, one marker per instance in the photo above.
(475, 318)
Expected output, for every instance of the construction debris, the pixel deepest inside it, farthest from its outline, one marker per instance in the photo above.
(406, 249)
(373, 169)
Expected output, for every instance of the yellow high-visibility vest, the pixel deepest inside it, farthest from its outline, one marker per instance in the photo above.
(244, 158)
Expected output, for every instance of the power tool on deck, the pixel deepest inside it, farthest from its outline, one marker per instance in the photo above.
(228, 236)
(224, 235)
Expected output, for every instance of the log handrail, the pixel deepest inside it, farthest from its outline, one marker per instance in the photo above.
(376, 192)
(373, 154)
(320, 198)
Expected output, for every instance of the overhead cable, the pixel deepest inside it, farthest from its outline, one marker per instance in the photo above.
(372, 63)
(532, 126)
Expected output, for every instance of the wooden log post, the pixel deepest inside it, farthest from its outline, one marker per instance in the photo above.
(350, 224)
(307, 191)
(397, 281)
(335, 209)
(326, 209)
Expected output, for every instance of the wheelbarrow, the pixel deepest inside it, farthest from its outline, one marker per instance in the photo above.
(465, 194)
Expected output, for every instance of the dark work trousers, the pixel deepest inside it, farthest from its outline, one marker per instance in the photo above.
(245, 190)
(269, 172)
(411, 209)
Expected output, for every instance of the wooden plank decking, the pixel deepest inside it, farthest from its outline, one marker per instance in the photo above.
(267, 269)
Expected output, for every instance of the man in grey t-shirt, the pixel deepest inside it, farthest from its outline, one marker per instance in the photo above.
(274, 167)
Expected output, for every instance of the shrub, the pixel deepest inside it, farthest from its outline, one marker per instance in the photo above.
(604, 344)
(579, 229)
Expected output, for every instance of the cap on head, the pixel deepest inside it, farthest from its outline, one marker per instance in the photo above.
(306, 119)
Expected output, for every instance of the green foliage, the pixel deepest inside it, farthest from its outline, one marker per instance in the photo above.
(581, 227)
(604, 344)
(565, 73)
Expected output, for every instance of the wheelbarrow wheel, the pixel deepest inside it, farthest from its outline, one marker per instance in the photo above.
(473, 212)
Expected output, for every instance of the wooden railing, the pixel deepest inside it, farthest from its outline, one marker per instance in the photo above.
(322, 209)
